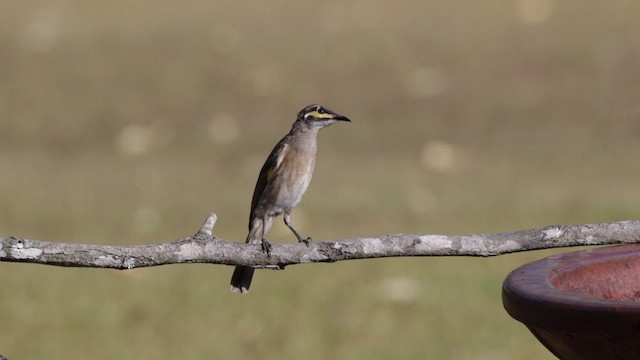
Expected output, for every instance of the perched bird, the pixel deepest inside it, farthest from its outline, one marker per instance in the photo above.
(283, 180)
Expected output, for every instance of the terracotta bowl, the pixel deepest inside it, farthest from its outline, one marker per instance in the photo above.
(582, 304)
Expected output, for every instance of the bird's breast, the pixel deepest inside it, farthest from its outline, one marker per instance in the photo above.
(288, 178)
(295, 175)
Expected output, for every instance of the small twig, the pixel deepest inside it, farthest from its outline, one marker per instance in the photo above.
(207, 227)
(203, 247)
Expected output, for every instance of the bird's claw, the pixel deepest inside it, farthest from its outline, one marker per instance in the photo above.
(305, 241)
(266, 247)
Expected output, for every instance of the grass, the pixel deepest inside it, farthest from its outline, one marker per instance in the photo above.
(127, 123)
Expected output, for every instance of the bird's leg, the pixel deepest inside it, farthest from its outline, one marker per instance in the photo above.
(287, 221)
(266, 247)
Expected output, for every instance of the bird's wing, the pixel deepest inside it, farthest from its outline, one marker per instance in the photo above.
(268, 171)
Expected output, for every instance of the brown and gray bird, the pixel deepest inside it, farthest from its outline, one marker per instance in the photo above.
(283, 180)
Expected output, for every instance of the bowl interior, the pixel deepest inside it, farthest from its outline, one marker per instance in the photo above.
(610, 277)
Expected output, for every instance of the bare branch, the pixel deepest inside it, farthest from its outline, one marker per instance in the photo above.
(203, 247)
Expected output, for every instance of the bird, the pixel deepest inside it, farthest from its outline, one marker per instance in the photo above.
(283, 180)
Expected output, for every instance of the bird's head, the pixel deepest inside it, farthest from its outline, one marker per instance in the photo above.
(319, 116)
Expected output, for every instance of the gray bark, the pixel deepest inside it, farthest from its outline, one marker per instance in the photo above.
(203, 247)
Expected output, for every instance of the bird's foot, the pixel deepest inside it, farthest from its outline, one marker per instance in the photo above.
(266, 247)
(305, 241)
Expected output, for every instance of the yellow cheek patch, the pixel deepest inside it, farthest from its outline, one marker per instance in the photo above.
(317, 115)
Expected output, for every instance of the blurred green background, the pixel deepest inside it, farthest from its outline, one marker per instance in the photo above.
(127, 122)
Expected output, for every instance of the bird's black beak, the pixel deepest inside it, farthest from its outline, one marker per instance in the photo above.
(341, 118)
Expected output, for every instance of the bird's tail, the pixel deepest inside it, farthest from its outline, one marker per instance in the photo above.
(241, 279)
(242, 275)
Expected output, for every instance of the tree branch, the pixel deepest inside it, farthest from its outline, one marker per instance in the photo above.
(203, 247)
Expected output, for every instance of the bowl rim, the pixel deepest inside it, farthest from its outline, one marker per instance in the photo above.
(529, 297)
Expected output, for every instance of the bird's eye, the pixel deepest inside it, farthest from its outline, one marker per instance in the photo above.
(321, 110)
